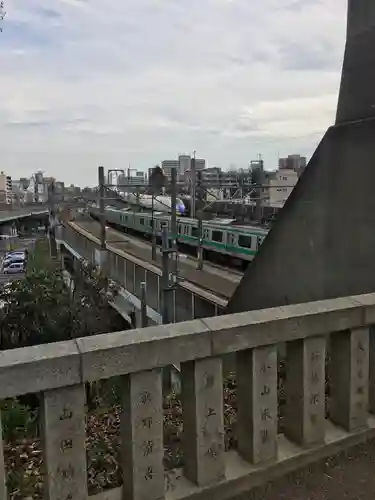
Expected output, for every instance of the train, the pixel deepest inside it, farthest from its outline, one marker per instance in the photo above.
(237, 244)
(159, 203)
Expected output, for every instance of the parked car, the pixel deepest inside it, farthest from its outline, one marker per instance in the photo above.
(14, 268)
(18, 252)
(14, 258)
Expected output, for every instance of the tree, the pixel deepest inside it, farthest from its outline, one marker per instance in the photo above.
(41, 308)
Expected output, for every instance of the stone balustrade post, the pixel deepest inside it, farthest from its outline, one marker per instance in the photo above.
(304, 420)
(350, 378)
(3, 488)
(257, 404)
(203, 417)
(142, 436)
(64, 435)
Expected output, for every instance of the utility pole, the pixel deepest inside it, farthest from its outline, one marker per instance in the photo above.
(200, 223)
(52, 220)
(174, 220)
(259, 191)
(193, 185)
(165, 279)
(101, 208)
(200, 242)
(153, 225)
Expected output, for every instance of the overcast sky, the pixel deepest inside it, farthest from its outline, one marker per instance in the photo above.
(113, 82)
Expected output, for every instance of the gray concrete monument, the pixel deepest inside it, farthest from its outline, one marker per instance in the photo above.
(323, 242)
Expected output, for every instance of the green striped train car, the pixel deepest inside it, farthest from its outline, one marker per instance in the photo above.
(219, 235)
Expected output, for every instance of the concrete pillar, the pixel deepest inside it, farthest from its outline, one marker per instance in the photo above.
(121, 271)
(203, 416)
(64, 432)
(372, 371)
(103, 266)
(59, 232)
(257, 404)
(124, 271)
(349, 378)
(142, 436)
(3, 488)
(305, 391)
(76, 265)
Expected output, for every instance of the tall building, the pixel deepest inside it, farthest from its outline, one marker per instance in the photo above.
(134, 177)
(293, 162)
(6, 190)
(280, 185)
(182, 165)
(168, 165)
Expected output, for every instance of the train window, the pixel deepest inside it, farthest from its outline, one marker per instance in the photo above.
(205, 234)
(180, 228)
(244, 241)
(142, 221)
(187, 229)
(217, 236)
(195, 232)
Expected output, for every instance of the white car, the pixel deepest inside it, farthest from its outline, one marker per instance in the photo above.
(14, 258)
(14, 268)
(10, 255)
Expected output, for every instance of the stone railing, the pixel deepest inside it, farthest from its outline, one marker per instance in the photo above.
(59, 373)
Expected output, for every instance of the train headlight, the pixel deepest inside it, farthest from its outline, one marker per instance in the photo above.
(181, 208)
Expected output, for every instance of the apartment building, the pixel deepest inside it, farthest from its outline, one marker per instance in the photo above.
(6, 189)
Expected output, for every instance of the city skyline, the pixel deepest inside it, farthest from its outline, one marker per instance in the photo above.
(144, 81)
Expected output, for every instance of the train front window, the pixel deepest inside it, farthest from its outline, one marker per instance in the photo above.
(244, 241)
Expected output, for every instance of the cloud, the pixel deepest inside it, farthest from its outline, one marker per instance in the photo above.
(88, 82)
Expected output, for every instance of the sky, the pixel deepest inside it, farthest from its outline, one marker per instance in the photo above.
(132, 82)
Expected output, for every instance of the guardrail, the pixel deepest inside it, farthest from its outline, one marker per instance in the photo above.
(190, 301)
(59, 371)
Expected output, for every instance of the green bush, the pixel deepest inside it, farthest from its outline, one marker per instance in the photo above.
(18, 420)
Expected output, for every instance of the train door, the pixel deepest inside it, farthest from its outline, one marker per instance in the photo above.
(231, 242)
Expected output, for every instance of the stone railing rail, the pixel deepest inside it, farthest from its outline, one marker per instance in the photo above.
(59, 371)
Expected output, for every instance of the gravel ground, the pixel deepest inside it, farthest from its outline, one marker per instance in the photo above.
(349, 475)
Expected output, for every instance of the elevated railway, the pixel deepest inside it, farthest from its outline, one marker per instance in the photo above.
(218, 280)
